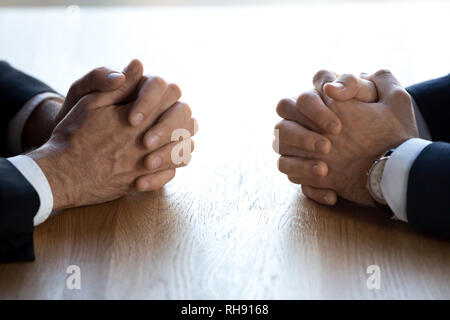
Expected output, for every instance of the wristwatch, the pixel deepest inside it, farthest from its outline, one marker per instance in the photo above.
(375, 175)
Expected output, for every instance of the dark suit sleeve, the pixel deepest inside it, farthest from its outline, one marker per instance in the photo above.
(16, 88)
(19, 203)
(433, 100)
(428, 195)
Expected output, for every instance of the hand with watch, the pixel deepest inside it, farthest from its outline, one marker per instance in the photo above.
(373, 114)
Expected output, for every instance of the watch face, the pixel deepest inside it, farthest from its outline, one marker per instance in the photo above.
(374, 181)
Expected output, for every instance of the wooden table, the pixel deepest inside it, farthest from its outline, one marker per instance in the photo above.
(229, 225)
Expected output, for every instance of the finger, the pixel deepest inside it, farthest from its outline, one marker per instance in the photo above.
(298, 136)
(162, 159)
(323, 196)
(349, 86)
(133, 73)
(153, 99)
(99, 79)
(176, 117)
(149, 96)
(384, 81)
(320, 79)
(154, 181)
(311, 105)
(287, 150)
(171, 96)
(306, 169)
(287, 109)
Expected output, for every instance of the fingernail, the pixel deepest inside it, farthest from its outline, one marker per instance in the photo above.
(327, 199)
(131, 68)
(156, 163)
(338, 85)
(316, 170)
(137, 119)
(153, 142)
(112, 77)
(321, 146)
(145, 185)
(332, 127)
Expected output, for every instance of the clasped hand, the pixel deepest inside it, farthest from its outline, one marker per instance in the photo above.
(113, 135)
(330, 136)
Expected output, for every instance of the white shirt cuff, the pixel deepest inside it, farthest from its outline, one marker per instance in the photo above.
(394, 183)
(33, 173)
(16, 124)
(422, 126)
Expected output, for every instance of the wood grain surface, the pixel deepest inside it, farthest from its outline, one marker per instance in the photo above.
(230, 226)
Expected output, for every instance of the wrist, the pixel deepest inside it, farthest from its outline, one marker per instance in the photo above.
(51, 161)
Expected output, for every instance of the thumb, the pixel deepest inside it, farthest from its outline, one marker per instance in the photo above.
(133, 73)
(349, 86)
(99, 79)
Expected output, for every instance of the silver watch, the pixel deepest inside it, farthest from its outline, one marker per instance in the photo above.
(375, 175)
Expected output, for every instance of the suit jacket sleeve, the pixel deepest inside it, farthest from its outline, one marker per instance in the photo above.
(16, 88)
(428, 193)
(433, 100)
(19, 201)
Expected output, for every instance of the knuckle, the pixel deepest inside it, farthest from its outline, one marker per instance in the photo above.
(173, 87)
(382, 73)
(165, 131)
(97, 72)
(186, 110)
(148, 139)
(89, 100)
(282, 104)
(280, 125)
(323, 167)
(74, 88)
(400, 95)
(306, 98)
(320, 74)
(307, 142)
(159, 82)
(139, 185)
(349, 78)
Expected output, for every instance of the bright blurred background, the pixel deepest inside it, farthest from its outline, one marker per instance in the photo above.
(233, 60)
(273, 46)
